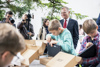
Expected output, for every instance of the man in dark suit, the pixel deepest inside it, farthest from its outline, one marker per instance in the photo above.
(98, 23)
(70, 24)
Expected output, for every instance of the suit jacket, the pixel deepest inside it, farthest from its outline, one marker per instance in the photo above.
(73, 28)
(98, 23)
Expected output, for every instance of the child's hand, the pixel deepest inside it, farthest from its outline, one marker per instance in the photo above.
(81, 61)
(48, 38)
(53, 42)
(88, 44)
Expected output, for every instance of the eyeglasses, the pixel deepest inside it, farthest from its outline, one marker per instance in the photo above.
(63, 12)
(17, 58)
(14, 54)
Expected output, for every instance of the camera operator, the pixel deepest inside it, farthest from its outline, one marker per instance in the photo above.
(8, 18)
(23, 28)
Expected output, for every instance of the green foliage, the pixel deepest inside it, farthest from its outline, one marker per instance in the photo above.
(54, 17)
(17, 6)
(22, 6)
(78, 15)
(2, 12)
(56, 5)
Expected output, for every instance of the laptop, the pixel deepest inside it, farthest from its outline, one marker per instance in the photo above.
(89, 52)
(52, 51)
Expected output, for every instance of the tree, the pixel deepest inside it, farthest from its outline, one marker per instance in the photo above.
(22, 6)
(2, 12)
(55, 6)
(17, 6)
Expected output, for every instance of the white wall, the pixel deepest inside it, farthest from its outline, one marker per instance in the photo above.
(37, 21)
(85, 7)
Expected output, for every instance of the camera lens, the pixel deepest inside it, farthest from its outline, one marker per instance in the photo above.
(10, 18)
(23, 20)
(12, 21)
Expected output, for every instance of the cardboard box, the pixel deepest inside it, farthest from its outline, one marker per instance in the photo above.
(40, 43)
(30, 42)
(32, 50)
(63, 60)
(45, 60)
(30, 55)
(42, 48)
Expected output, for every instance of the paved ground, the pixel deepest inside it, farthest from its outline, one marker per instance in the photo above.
(36, 63)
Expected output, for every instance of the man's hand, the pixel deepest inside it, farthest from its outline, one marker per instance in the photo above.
(88, 44)
(30, 33)
(23, 21)
(7, 20)
(53, 42)
(48, 38)
(10, 22)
